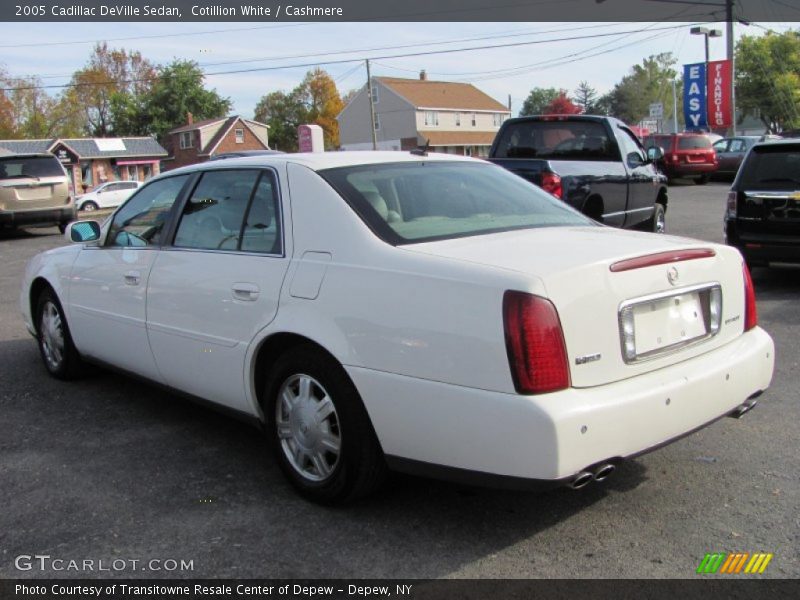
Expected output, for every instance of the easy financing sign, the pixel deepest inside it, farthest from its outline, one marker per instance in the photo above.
(707, 95)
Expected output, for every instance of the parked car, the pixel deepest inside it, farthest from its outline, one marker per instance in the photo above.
(34, 190)
(107, 195)
(731, 151)
(427, 313)
(686, 155)
(595, 164)
(762, 218)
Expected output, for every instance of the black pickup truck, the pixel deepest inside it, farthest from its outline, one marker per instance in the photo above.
(594, 163)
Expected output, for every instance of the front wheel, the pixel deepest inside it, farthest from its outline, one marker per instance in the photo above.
(58, 353)
(702, 180)
(320, 430)
(658, 222)
(89, 206)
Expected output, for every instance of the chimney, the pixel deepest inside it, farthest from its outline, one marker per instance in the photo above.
(423, 76)
(189, 118)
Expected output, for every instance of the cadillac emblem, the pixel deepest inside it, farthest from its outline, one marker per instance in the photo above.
(672, 276)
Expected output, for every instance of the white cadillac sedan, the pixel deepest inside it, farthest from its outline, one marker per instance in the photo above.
(424, 313)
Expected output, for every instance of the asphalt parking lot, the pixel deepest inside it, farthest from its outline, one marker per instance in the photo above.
(111, 468)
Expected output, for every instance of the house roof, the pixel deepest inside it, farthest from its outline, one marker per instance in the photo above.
(91, 147)
(458, 138)
(442, 94)
(197, 125)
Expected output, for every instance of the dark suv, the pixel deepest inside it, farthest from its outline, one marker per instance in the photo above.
(688, 155)
(762, 218)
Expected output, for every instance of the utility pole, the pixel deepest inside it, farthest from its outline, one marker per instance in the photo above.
(729, 36)
(674, 107)
(371, 109)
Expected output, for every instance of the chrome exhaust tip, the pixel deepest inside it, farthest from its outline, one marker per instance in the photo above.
(604, 472)
(582, 479)
(744, 408)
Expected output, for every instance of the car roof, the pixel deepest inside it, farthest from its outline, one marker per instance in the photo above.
(778, 143)
(318, 161)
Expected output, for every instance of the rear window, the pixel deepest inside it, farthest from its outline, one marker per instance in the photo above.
(772, 167)
(658, 141)
(693, 142)
(565, 140)
(425, 201)
(30, 166)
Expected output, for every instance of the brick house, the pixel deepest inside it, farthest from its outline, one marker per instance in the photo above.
(92, 161)
(455, 118)
(196, 142)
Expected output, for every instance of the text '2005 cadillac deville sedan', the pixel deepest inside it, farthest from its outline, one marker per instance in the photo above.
(390, 310)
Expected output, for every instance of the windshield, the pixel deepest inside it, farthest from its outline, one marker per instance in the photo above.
(773, 167)
(558, 139)
(424, 201)
(30, 166)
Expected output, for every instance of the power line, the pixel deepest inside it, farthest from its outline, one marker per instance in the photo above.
(351, 60)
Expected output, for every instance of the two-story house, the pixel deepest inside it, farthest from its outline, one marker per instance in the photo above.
(198, 141)
(456, 118)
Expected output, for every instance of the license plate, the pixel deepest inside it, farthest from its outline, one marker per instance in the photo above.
(666, 322)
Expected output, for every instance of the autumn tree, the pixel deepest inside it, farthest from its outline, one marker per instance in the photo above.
(768, 78)
(108, 73)
(562, 105)
(538, 100)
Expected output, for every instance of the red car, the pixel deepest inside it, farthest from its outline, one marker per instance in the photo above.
(688, 155)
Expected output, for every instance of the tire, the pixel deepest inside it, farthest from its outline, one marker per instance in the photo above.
(59, 355)
(658, 222)
(322, 436)
(702, 180)
(62, 227)
(89, 206)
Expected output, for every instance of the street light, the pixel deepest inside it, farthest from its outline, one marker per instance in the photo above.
(708, 33)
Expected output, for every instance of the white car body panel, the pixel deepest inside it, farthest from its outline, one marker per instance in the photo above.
(418, 327)
(105, 198)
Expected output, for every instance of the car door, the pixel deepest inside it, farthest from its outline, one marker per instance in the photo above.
(105, 195)
(218, 283)
(642, 177)
(108, 282)
(734, 155)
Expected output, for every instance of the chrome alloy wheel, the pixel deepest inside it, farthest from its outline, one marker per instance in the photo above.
(308, 427)
(661, 223)
(51, 334)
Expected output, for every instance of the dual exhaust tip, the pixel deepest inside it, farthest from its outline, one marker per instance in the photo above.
(598, 473)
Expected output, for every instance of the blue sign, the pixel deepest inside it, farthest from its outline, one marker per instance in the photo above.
(694, 95)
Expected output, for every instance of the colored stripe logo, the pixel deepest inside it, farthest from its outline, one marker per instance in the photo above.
(734, 563)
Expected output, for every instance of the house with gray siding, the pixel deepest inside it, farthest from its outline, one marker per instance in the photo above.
(454, 118)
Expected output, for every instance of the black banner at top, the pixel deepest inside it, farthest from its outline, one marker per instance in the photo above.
(406, 11)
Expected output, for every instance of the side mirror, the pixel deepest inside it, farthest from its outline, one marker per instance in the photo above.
(655, 153)
(635, 160)
(80, 232)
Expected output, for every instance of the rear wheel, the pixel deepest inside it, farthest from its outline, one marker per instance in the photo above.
(702, 180)
(55, 342)
(320, 430)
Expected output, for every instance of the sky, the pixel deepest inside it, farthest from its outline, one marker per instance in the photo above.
(53, 51)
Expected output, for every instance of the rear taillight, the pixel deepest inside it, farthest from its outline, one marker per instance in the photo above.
(750, 313)
(731, 206)
(675, 158)
(551, 182)
(537, 354)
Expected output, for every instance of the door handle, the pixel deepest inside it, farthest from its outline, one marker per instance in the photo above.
(247, 292)
(133, 278)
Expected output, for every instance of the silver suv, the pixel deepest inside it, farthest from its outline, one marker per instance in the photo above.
(34, 190)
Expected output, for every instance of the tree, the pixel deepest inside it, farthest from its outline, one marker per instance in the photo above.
(349, 96)
(768, 78)
(645, 84)
(177, 89)
(586, 98)
(562, 105)
(107, 74)
(316, 101)
(538, 100)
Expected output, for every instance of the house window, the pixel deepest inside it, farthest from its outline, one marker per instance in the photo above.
(377, 122)
(239, 136)
(133, 173)
(458, 119)
(497, 119)
(375, 96)
(187, 140)
(474, 120)
(431, 118)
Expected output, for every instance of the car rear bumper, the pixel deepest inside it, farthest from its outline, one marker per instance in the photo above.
(758, 246)
(552, 437)
(37, 217)
(689, 169)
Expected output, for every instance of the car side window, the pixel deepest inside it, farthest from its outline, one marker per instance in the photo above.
(141, 220)
(262, 230)
(721, 146)
(630, 145)
(213, 217)
(737, 146)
